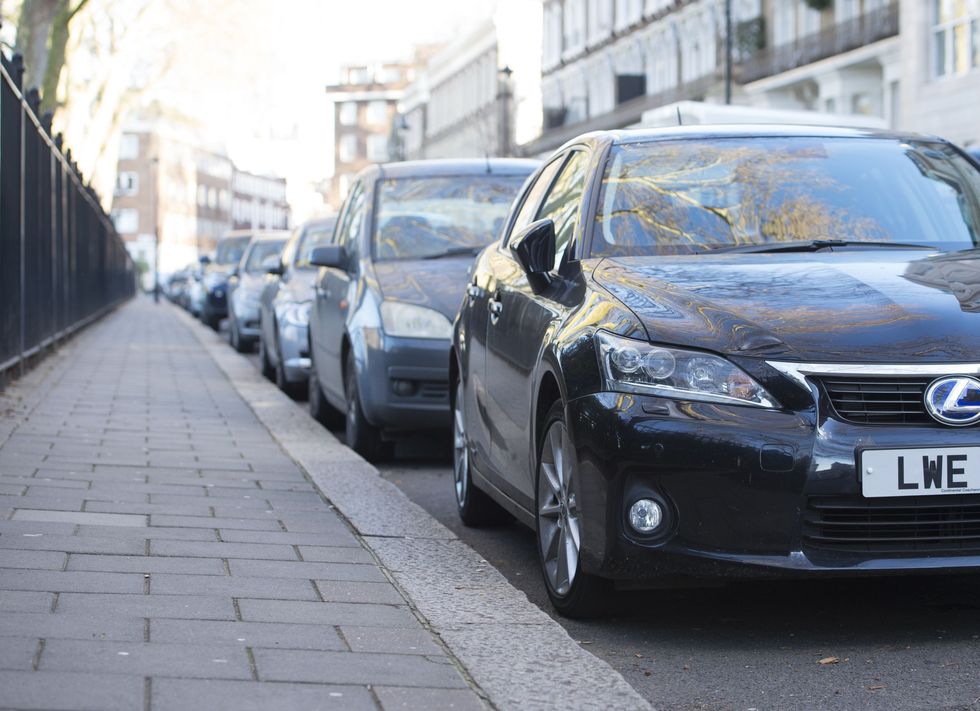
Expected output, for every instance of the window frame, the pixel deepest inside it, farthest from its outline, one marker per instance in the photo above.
(568, 254)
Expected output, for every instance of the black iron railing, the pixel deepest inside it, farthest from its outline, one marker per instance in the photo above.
(62, 264)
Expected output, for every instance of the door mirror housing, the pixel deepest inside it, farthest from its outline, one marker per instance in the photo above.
(535, 248)
(329, 255)
(204, 260)
(272, 265)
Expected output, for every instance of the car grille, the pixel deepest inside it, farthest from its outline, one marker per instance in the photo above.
(438, 392)
(879, 401)
(909, 525)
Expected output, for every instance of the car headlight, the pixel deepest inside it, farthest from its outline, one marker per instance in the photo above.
(296, 314)
(410, 321)
(635, 366)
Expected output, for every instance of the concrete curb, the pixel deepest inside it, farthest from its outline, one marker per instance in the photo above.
(517, 655)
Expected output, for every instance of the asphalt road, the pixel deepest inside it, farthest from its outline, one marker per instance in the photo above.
(894, 643)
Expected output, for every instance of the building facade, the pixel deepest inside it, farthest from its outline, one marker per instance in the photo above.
(364, 105)
(479, 96)
(258, 202)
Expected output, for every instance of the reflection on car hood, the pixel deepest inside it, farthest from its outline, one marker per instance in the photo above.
(842, 306)
(436, 283)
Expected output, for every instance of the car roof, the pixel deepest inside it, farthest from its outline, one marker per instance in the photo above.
(258, 235)
(643, 135)
(472, 166)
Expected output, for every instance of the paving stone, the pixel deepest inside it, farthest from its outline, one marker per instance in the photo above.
(70, 581)
(406, 699)
(356, 668)
(202, 549)
(326, 613)
(249, 524)
(146, 659)
(308, 571)
(186, 509)
(237, 586)
(17, 653)
(183, 694)
(250, 634)
(35, 560)
(146, 564)
(73, 544)
(97, 625)
(405, 640)
(304, 540)
(201, 607)
(25, 601)
(100, 519)
(350, 591)
(153, 532)
(70, 691)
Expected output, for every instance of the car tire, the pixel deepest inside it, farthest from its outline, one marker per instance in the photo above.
(321, 410)
(266, 367)
(475, 507)
(363, 437)
(573, 592)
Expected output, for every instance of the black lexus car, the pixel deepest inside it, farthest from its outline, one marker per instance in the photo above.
(744, 352)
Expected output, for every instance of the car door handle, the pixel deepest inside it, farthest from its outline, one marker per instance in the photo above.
(473, 291)
(495, 308)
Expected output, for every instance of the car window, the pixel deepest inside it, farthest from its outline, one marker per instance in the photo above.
(431, 217)
(564, 201)
(533, 196)
(261, 251)
(315, 235)
(230, 250)
(690, 196)
(289, 251)
(350, 222)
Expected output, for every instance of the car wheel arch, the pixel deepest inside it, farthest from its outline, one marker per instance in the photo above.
(548, 392)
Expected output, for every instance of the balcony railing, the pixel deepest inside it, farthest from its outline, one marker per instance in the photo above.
(842, 37)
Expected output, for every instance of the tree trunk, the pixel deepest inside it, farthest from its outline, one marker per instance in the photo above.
(33, 30)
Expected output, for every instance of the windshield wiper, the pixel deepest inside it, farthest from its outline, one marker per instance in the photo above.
(455, 252)
(815, 245)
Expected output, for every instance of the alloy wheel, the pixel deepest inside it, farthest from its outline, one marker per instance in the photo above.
(461, 474)
(558, 514)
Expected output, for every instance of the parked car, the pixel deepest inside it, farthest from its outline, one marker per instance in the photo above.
(974, 153)
(214, 280)
(392, 280)
(284, 309)
(245, 285)
(698, 352)
(195, 286)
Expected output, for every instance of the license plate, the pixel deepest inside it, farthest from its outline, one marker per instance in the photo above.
(920, 472)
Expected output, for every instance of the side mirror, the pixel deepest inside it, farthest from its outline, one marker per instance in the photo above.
(534, 248)
(329, 255)
(272, 265)
(204, 260)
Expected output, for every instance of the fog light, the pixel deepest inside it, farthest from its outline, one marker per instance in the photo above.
(646, 515)
(403, 388)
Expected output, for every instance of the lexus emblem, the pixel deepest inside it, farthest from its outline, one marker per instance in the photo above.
(954, 401)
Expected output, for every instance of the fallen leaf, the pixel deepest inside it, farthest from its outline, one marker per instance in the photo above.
(687, 668)
(875, 687)
(638, 655)
(829, 660)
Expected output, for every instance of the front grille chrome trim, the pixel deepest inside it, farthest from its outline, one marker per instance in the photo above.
(799, 372)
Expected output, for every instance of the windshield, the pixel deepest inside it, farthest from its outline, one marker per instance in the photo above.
(428, 217)
(230, 250)
(684, 196)
(315, 235)
(260, 252)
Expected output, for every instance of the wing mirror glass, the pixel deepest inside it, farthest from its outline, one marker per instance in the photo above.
(534, 248)
(330, 255)
(272, 265)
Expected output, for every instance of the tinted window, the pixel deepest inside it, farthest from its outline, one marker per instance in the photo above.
(353, 217)
(431, 217)
(230, 250)
(691, 195)
(564, 201)
(530, 205)
(260, 252)
(315, 235)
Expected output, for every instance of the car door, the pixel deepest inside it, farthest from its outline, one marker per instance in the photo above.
(332, 298)
(274, 286)
(518, 321)
(479, 423)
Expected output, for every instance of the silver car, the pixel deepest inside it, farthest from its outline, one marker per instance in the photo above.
(284, 309)
(245, 287)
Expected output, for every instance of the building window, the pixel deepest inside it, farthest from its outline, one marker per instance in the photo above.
(126, 220)
(377, 112)
(377, 148)
(202, 196)
(348, 113)
(127, 183)
(129, 147)
(955, 37)
(347, 148)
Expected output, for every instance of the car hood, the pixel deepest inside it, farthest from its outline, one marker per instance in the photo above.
(835, 306)
(436, 283)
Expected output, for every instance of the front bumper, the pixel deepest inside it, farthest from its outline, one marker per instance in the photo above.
(746, 492)
(404, 383)
(294, 350)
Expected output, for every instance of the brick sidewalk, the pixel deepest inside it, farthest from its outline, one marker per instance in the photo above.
(158, 550)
